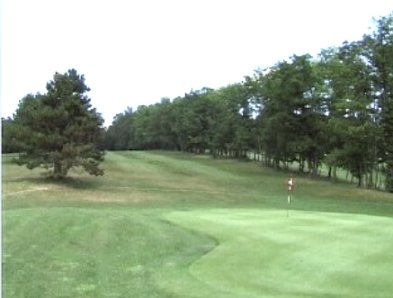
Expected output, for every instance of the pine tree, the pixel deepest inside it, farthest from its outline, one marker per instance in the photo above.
(60, 130)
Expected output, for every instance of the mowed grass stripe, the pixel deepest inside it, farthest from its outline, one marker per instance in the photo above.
(170, 171)
(184, 178)
(222, 182)
(308, 254)
(83, 252)
(154, 177)
(114, 236)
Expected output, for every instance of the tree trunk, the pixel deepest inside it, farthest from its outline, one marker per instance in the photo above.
(57, 169)
(329, 175)
(389, 178)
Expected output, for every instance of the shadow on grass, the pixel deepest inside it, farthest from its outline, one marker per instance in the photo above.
(74, 182)
(80, 183)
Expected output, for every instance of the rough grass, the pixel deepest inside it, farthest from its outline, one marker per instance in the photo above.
(177, 225)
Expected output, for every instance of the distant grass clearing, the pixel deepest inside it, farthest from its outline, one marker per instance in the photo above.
(308, 254)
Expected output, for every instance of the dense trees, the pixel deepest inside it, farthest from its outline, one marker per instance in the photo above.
(59, 130)
(336, 109)
(378, 49)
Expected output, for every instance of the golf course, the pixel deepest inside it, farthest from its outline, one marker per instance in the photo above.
(170, 224)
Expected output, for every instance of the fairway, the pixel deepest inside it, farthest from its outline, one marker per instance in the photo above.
(166, 224)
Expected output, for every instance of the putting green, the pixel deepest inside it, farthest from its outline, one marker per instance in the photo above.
(262, 253)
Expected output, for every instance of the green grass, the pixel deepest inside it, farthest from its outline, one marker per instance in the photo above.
(303, 255)
(162, 224)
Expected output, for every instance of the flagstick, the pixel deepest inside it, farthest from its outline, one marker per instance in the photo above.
(289, 202)
(290, 187)
(291, 183)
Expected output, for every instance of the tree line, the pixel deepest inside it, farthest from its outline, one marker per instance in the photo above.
(334, 110)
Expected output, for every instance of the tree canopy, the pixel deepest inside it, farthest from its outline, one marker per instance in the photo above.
(59, 130)
(336, 109)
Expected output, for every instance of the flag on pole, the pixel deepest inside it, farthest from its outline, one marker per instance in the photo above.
(291, 184)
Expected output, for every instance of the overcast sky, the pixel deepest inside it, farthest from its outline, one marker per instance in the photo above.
(137, 52)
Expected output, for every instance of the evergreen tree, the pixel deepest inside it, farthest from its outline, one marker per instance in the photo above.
(60, 130)
(8, 142)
